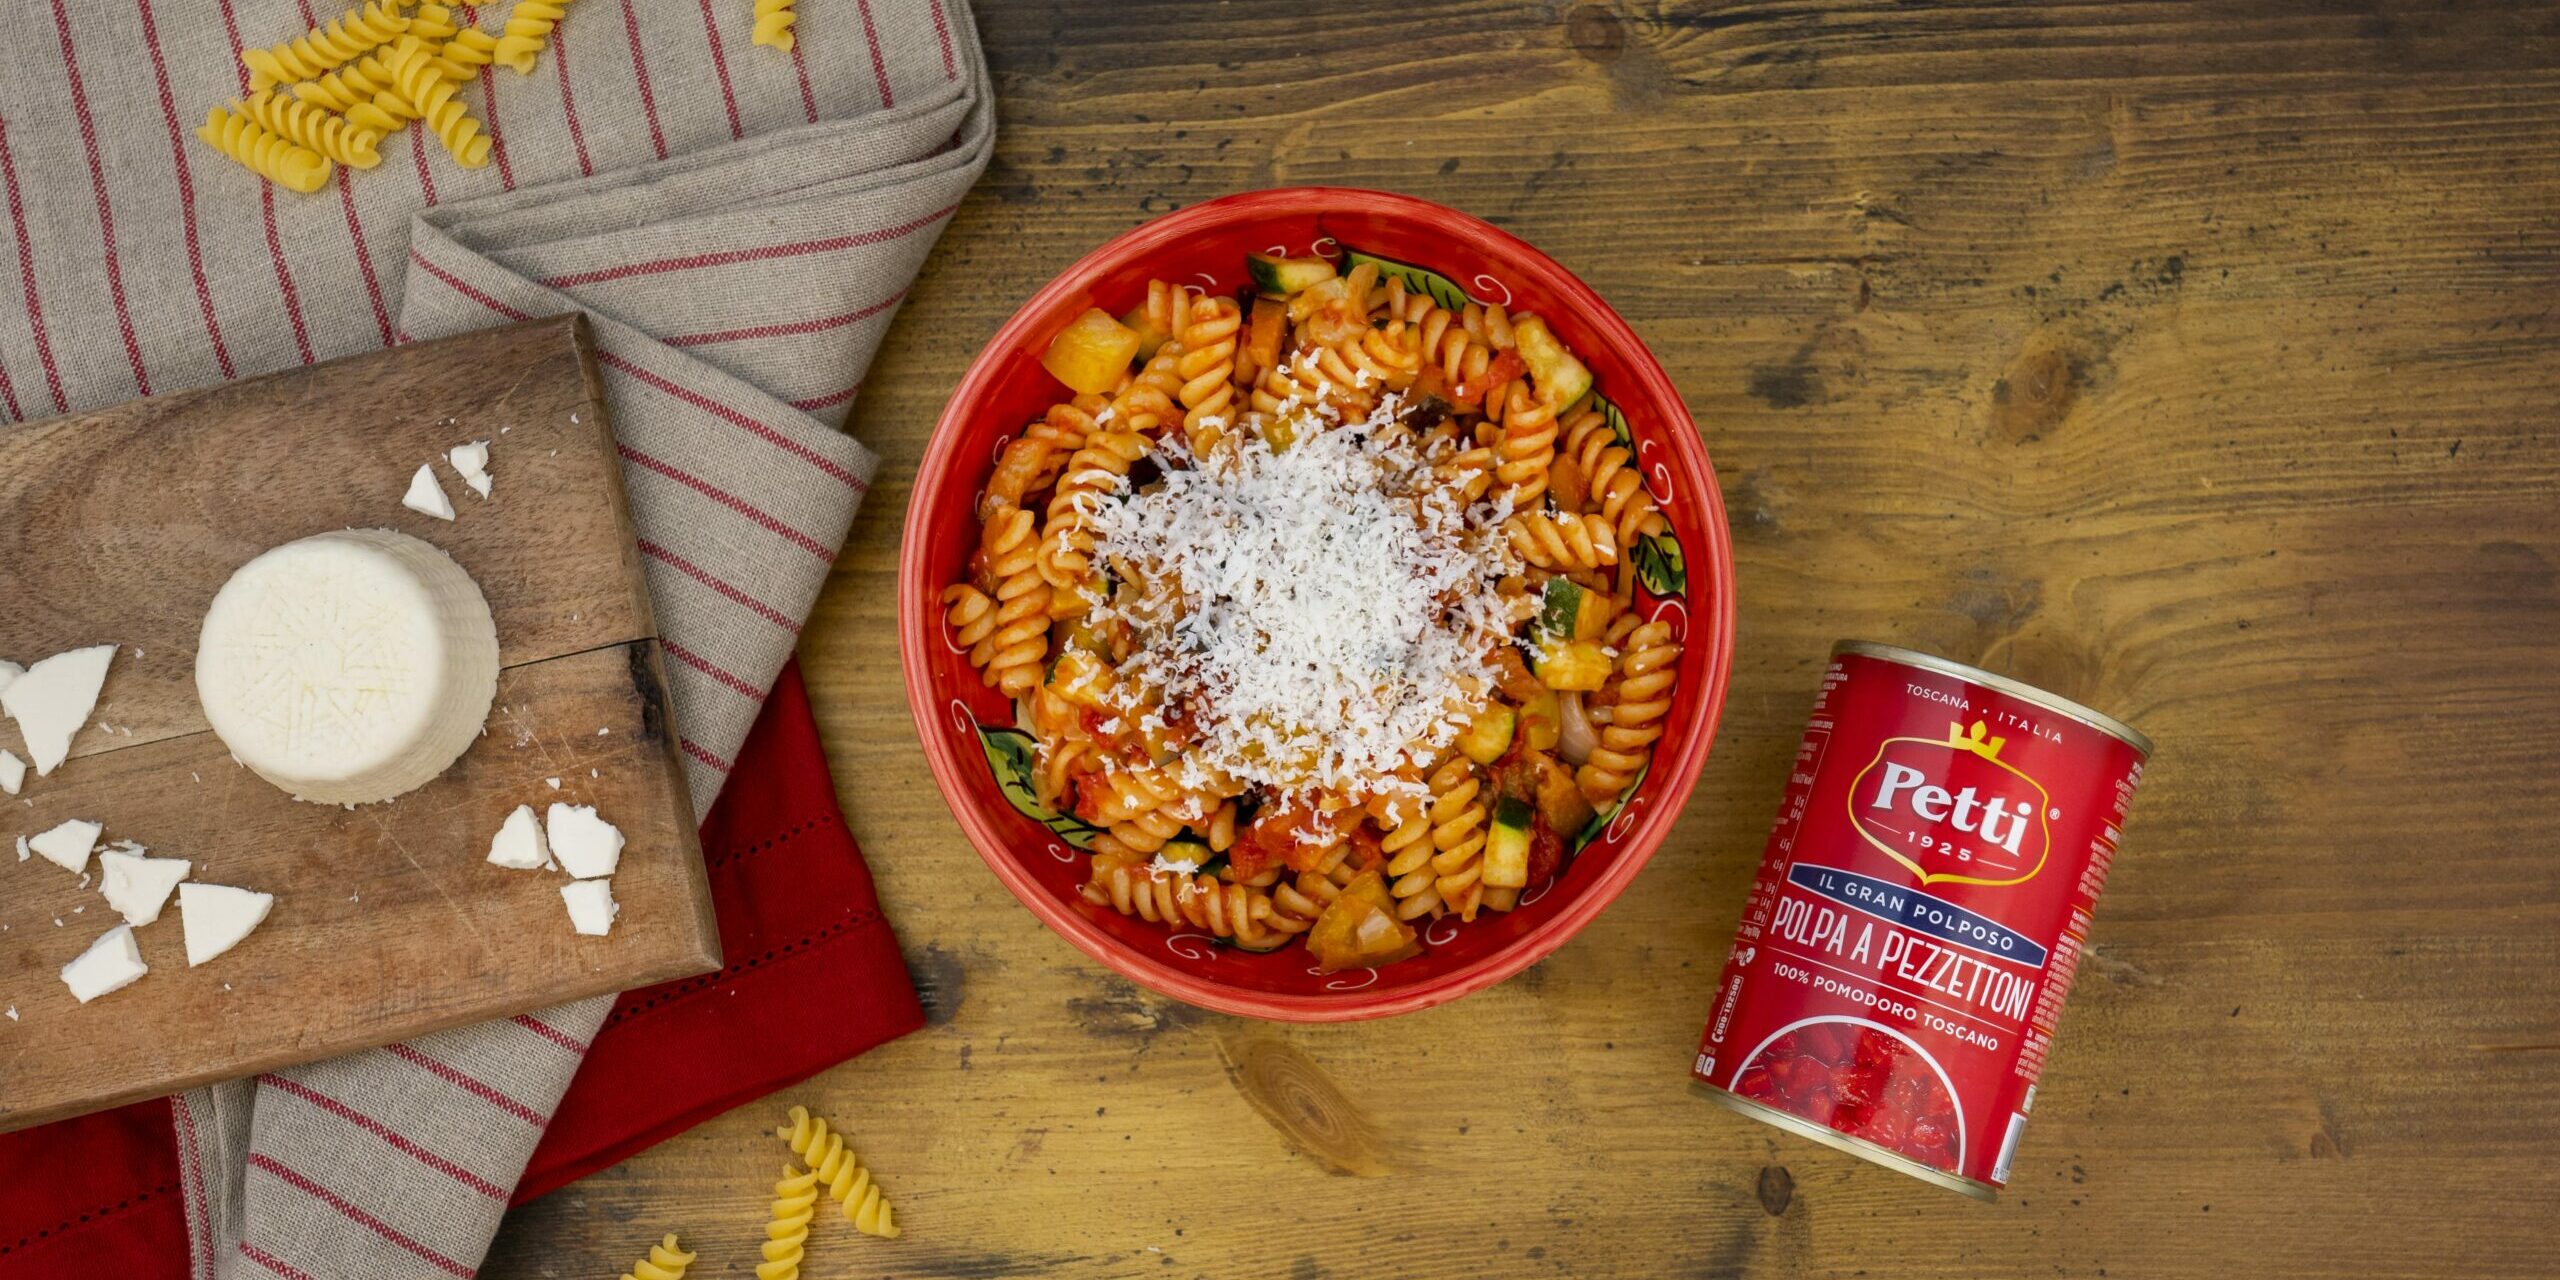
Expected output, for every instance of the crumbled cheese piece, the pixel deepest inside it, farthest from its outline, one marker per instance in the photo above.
(591, 906)
(1173, 866)
(67, 846)
(53, 700)
(555, 783)
(471, 462)
(587, 845)
(425, 496)
(217, 917)
(1324, 614)
(13, 1013)
(138, 887)
(13, 771)
(22, 849)
(518, 843)
(110, 964)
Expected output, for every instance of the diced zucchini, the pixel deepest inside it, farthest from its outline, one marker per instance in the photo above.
(1575, 665)
(1542, 719)
(1591, 620)
(1558, 610)
(1490, 736)
(1506, 846)
(1149, 336)
(1277, 277)
(1091, 353)
(1553, 369)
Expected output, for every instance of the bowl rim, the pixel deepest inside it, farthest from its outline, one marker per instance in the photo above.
(919, 613)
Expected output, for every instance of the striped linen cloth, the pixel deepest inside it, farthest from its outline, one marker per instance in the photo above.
(740, 224)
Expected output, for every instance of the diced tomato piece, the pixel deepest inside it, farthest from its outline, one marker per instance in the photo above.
(1506, 367)
(1828, 1042)
(1546, 851)
(1093, 793)
(1754, 1082)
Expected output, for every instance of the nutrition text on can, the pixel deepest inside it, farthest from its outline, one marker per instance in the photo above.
(1919, 914)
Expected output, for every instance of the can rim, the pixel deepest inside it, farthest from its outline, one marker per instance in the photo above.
(1837, 1140)
(2098, 720)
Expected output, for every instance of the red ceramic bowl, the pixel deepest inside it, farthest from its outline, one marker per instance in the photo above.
(1006, 387)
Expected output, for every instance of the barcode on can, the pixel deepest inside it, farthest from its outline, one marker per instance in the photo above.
(2008, 1147)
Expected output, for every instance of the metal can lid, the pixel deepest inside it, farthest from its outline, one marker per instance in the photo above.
(2097, 720)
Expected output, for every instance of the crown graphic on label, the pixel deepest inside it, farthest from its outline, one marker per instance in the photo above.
(1973, 740)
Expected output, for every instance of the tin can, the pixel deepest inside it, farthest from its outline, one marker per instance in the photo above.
(1919, 914)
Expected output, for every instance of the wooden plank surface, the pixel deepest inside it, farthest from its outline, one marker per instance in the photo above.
(2197, 361)
(388, 921)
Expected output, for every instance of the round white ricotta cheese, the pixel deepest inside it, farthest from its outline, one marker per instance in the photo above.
(348, 667)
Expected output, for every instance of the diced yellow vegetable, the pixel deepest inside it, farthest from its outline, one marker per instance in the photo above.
(1090, 354)
(1542, 718)
(1490, 735)
(1506, 845)
(1555, 371)
(1581, 665)
(1591, 616)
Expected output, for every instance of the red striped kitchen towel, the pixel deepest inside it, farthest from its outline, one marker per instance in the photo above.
(740, 224)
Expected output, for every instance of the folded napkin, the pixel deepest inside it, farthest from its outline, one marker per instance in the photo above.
(740, 225)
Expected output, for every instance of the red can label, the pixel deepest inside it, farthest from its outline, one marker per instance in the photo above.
(1919, 913)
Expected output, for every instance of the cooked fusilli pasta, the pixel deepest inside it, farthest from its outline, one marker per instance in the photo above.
(333, 43)
(665, 1262)
(528, 29)
(773, 23)
(260, 152)
(1319, 604)
(786, 1238)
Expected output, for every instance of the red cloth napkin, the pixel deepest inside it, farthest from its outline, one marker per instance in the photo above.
(813, 978)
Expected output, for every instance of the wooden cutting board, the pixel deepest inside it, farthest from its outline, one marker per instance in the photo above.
(118, 527)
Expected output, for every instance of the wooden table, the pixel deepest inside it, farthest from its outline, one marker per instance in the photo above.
(2202, 362)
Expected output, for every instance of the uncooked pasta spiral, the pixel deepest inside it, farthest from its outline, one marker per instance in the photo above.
(414, 69)
(774, 19)
(331, 44)
(1457, 836)
(528, 27)
(840, 1171)
(311, 128)
(263, 153)
(1020, 644)
(665, 1262)
(786, 1238)
(1562, 542)
(1237, 912)
(469, 50)
(1208, 368)
(1065, 554)
(362, 91)
(1648, 664)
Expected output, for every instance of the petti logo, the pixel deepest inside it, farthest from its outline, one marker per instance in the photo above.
(1952, 810)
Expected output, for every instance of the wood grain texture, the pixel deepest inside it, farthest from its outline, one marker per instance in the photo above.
(388, 921)
(2197, 361)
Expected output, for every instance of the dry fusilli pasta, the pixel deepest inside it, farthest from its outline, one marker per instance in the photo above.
(335, 42)
(263, 153)
(665, 1262)
(432, 96)
(773, 22)
(311, 128)
(840, 1171)
(786, 1237)
(528, 28)
(362, 91)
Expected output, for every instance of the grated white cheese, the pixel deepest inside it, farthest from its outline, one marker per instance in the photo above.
(1322, 615)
